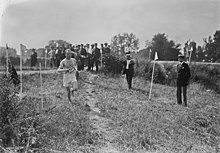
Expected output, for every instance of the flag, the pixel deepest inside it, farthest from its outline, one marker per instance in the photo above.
(156, 56)
(13, 73)
(24, 53)
(23, 49)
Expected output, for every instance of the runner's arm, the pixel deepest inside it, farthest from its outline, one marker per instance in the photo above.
(61, 68)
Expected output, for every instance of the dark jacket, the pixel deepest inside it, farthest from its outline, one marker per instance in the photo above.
(183, 74)
(83, 51)
(34, 58)
(96, 54)
(130, 69)
(106, 50)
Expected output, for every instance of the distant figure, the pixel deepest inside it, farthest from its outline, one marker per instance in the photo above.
(52, 57)
(128, 69)
(107, 49)
(58, 55)
(91, 65)
(82, 57)
(33, 58)
(183, 76)
(102, 48)
(96, 56)
(69, 68)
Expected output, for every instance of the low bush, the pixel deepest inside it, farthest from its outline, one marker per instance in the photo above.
(207, 75)
(112, 64)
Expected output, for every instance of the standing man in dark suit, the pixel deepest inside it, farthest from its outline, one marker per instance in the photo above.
(183, 76)
(107, 49)
(33, 58)
(128, 69)
(82, 57)
(96, 56)
(91, 57)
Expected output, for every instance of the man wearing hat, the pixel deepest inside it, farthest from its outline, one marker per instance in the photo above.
(33, 58)
(107, 49)
(96, 56)
(82, 56)
(89, 54)
(128, 69)
(90, 57)
(183, 76)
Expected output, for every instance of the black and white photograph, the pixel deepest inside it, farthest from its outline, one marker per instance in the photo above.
(110, 76)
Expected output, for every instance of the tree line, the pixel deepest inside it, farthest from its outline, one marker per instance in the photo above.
(167, 50)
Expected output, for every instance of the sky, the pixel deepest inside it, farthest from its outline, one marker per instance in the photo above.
(35, 22)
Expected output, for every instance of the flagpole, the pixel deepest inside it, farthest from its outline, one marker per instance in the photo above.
(7, 60)
(152, 77)
(190, 55)
(45, 59)
(101, 56)
(41, 87)
(21, 69)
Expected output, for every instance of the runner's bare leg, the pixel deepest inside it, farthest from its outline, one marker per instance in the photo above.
(68, 93)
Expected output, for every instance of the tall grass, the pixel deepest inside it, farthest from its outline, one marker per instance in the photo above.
(159, 125)
(58, 126)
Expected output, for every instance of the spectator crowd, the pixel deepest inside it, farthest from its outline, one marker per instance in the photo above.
(86, 55)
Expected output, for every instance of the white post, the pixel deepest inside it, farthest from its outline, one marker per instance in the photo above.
(21, 71)
(191, 50)
(152, 78)
(101, 57)
(41, 88)
(45, 58)
(7, 60)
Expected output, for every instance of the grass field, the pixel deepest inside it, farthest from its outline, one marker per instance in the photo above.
(124, 120)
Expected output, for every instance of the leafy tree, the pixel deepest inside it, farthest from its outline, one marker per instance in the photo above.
(120, 41)
(166, 49)
(56, 43)
(217, 45)
(194, 51)
(11, 52)
(212, 47)
(200, 54)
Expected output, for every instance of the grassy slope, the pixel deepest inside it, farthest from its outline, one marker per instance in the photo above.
(160, 124)
(66, 128)
(139, 124)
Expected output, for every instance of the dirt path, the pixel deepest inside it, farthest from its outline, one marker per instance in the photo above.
(99, 123)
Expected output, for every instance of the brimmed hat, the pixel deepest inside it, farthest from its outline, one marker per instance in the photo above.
(128, 53)
(181, 56)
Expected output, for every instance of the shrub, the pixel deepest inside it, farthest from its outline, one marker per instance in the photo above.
(159, 72)
(8, 112)
(207, 75)
(112, 64)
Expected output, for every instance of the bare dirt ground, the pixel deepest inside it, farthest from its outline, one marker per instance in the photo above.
(99, 123)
